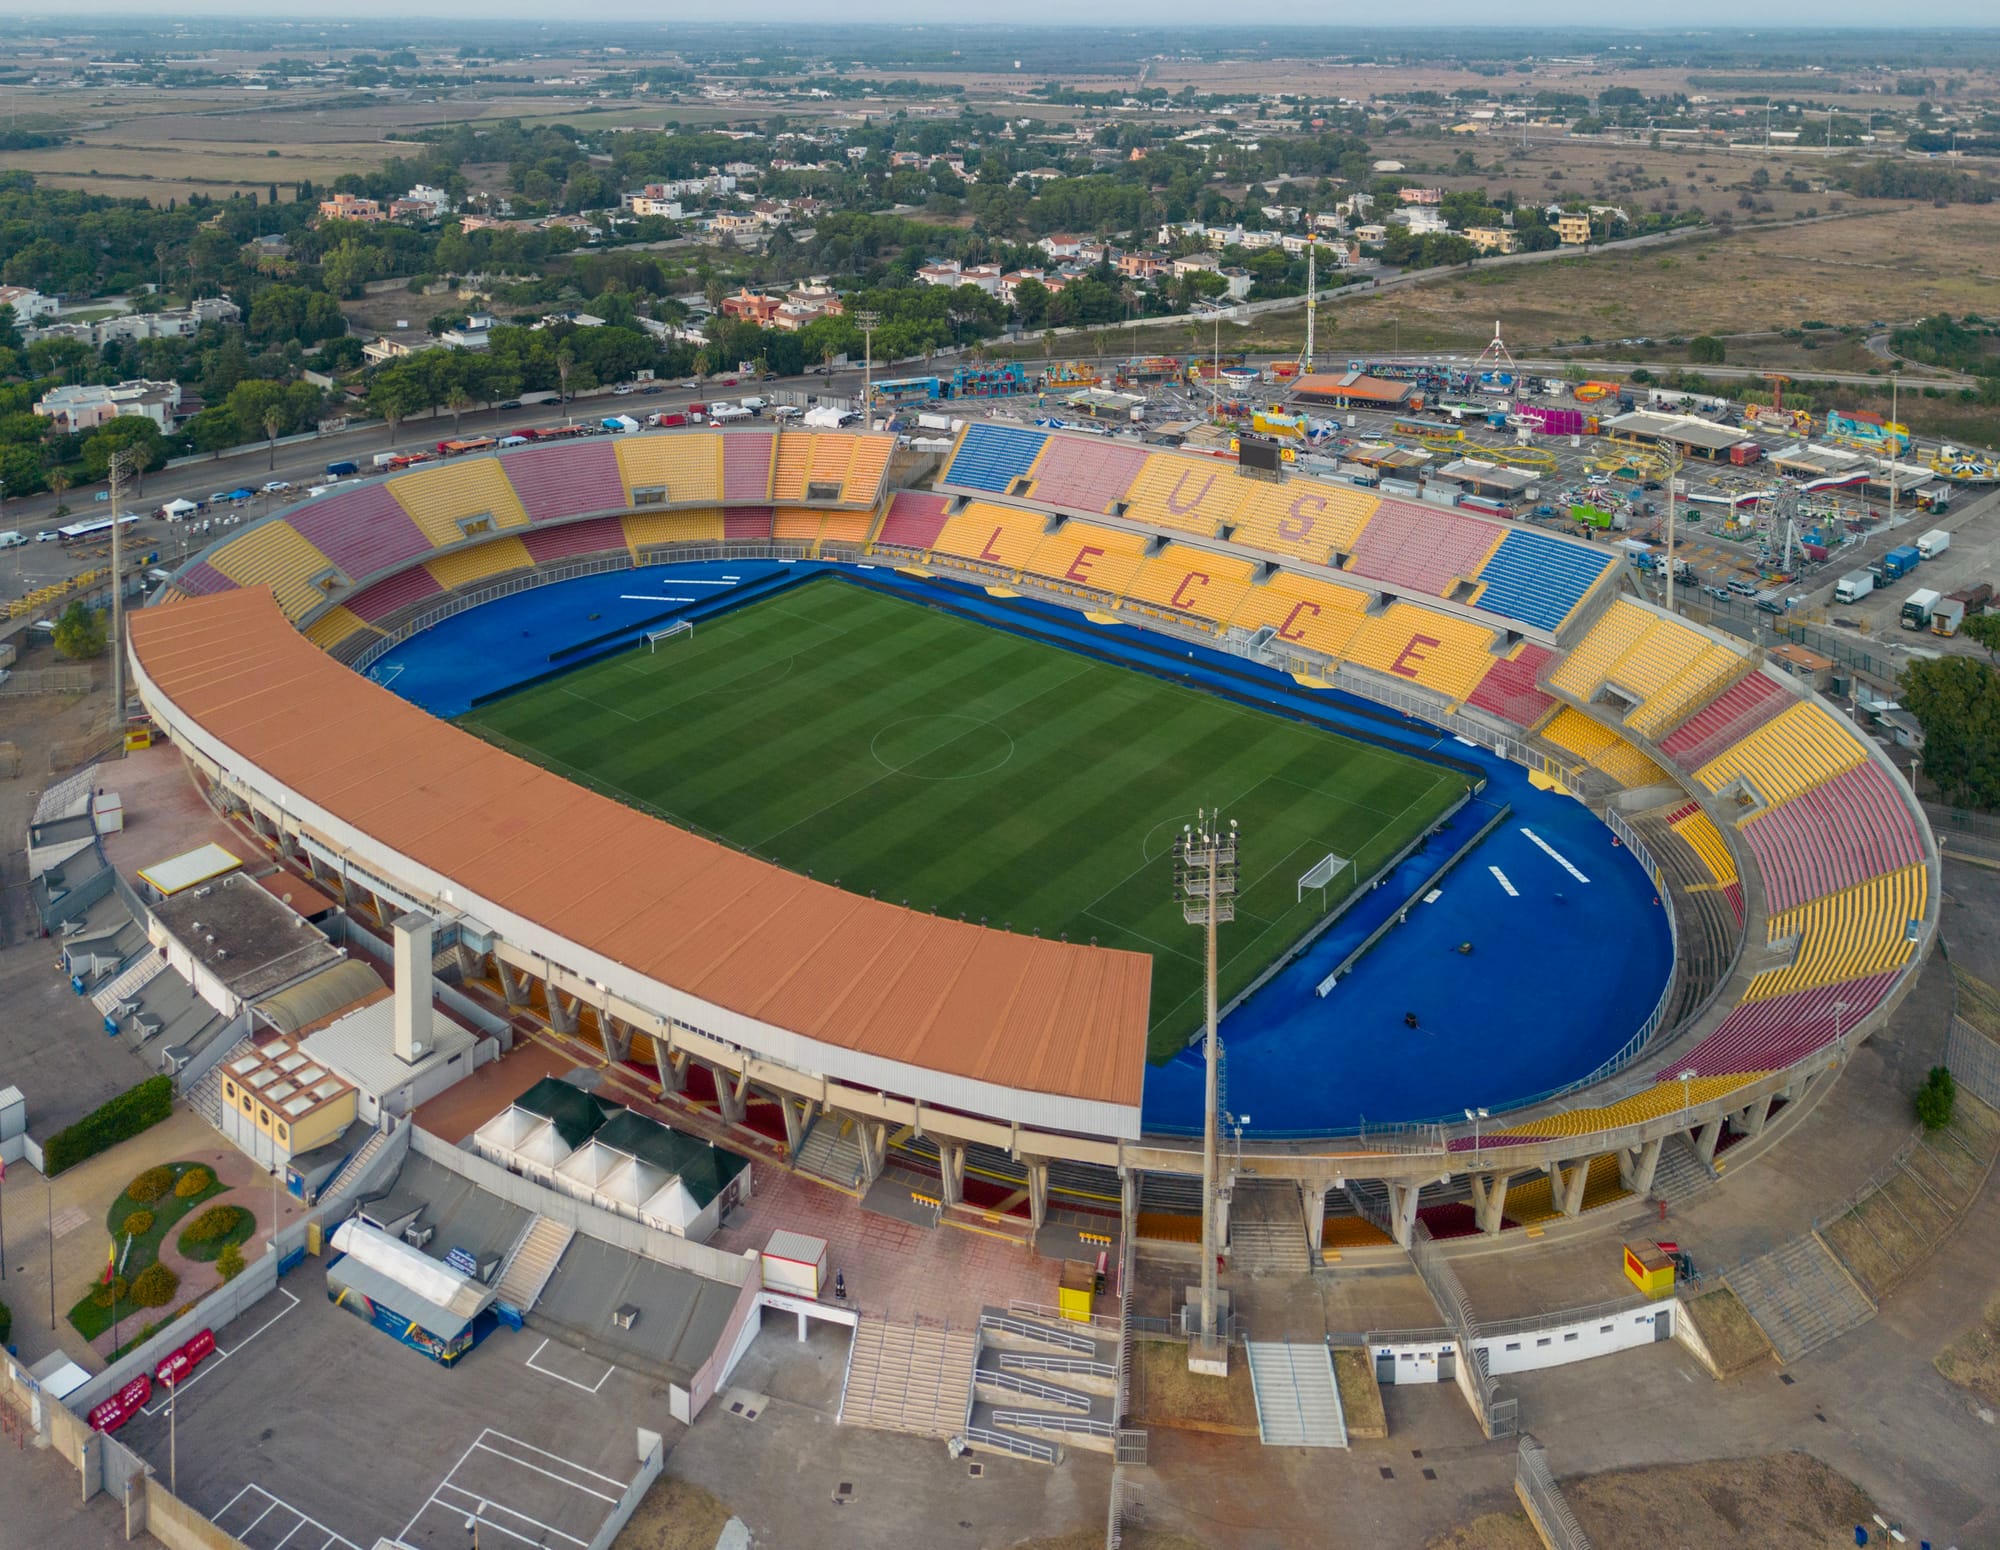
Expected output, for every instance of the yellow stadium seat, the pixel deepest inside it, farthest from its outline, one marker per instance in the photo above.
(1192, 581)
(796, 525)
(1098, 559)
(848, 527)
(1305, 611)
(1665, 1098)
(448, 501)
(1303, 518)
(865, 474)
(1601, 748)
(1193, 494)
(832, 456)
(649, 529)
(1435, 650)
(1803, 747)
(1616, 631)
(1706, 841)
(335, 626)
(1848, 935)
(276, 555)
(991, 537)
(1712, 671)
(462, 567)
(686, 464)
(792, 467)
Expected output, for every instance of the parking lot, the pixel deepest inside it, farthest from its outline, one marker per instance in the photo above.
(312, 1430)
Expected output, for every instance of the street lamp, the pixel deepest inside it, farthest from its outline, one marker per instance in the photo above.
(1205, 877)
(1686, 1079)
(173, 1424)
(472, 1523)
(1476, 1115)
(123, 464)
(868, 322)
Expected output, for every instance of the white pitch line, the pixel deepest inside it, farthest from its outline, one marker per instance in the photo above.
(643, 597)
(1557, 856)
(1500, 877)
(549, 1372)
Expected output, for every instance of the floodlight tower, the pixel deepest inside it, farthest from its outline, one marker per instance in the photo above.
(1205, 876)
(1312, 298)
(124, 464)
(867, 322)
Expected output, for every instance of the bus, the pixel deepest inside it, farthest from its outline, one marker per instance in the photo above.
(88, 532)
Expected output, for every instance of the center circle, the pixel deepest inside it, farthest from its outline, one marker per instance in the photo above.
(942, 747)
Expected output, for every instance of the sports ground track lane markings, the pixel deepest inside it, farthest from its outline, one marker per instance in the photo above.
(1555, 855)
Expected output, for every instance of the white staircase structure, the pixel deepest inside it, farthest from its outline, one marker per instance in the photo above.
(1298, 1401)
(355, 1164)
(531, 1262)
(127, 985)
(907, 1378)
(205, 1097)
(831, 1151)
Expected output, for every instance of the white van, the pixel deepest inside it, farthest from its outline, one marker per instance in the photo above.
(11, 541)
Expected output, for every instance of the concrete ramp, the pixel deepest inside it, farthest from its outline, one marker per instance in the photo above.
(1298, 1401)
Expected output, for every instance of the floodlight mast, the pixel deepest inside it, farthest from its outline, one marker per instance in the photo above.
(1205, 881)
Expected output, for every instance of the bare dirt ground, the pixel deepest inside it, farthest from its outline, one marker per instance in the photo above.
(1782, 1501)
(1973, 1360)
(674, 1515)
(1165, 1393)
(1731, 1335)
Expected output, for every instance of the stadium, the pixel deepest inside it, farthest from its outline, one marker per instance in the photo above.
(832, 784)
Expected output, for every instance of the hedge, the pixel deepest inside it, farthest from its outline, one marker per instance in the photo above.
(6, 1323)
(123, 1117)
(151, 1185)
(138, 1224)
(154, 1287)
(196, 1180)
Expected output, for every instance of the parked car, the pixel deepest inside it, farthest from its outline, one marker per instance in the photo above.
(512, 403)
(48, 535)
(278, 487)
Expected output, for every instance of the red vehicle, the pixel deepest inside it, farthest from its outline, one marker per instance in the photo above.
(694, 409)
(668, 420)
(726, 382)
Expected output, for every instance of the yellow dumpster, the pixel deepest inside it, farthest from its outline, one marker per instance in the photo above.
(1076, 1290)
(1650, 1268)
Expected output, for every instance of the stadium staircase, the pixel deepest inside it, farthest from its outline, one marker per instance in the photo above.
(1298, 1400)
(831, 1151)
(531, 1262)
(205, 1097)
(907, 1378)
(355, 1164)
(1800, 1296)
(1707, 926)
(1267, 1231)
(1681, 1175)
(1040, 1384)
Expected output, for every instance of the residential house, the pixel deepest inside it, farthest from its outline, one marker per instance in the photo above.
(1492, 239)
(1061, 245)
(1141, 265)
(1239, 283)
(28, 303)
(85, 407)
(643, 204)
(1196, 263)
(1574, 230)
(1421, 196)
(346, 207)
(751, 307)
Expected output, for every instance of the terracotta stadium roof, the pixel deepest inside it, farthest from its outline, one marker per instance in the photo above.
(850, 972)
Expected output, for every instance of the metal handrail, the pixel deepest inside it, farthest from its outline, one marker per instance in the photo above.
(1030, 1361)
(1028, 1331)
(1026, 1447)
(1014, 1383)
(1042, 1421)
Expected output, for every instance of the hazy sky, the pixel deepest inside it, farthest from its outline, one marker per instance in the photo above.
(1765, 15)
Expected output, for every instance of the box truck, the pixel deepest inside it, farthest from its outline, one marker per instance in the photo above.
(1934, 543)
(1917, 608)
(1899, 562)
(1975, 597)
(1854, 586)
(1947, 617)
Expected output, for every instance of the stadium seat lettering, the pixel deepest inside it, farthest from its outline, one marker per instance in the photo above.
(1409, 658)
(1298, 608)
(1181, 508)
(1079, 568)
(986, 550)
(1181, 597)
(1297, 526)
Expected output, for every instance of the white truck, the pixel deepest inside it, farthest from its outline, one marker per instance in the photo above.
(1934, 543)
(1918, 607)
(1854, 586)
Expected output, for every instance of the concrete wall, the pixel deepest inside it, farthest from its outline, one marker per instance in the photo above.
(594, 1221)
(1556, 1345)
(652, 1459)
(177, 1525)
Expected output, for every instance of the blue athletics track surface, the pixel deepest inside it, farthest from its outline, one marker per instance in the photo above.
(1570, 945)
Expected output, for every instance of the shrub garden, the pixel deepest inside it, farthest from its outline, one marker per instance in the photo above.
(147, 1210)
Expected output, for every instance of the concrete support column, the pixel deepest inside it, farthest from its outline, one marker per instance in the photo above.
(617, 1036)
(733, 1092)
(1131, 1185)
(1636, 1168)
(951, 1168)
(513, 983)
(1705, 1140)
(1403, 1211)
(1222, 1219)
(1752, 1120)
(798, 1120)
(874, 1138)
(1489, 1201)
(1315, 1209)
(1569, 1180)
(672, 1066)
(562, 1008)
(1038, 1190)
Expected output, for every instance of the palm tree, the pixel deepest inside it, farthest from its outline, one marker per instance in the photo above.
(274, 421)
(58, 483)
(564, 360)
(458, 402)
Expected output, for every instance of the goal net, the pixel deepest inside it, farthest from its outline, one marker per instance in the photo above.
(1321, 874)
(668, 632)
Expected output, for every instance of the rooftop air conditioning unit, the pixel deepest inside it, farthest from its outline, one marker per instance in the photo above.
(417, 1235)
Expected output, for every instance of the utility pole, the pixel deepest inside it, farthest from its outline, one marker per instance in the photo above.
(867, 322)
(123, 463)
(1673, 554)
(1205, 874)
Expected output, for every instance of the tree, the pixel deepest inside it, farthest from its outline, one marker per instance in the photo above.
(80, 632)
(133, 433)
(458, 401)
(1936, 1099)
(59, 481)
(1706, 350)
(1985, 629)
(1956, 701)
(274, 421)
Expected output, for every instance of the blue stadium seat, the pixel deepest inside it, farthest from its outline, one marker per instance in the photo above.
(1538, 579)
(993, 456)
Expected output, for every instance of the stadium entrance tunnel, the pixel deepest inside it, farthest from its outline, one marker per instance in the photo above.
(1511, 953)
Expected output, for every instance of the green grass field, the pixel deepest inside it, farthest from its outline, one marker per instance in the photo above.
(905, 752)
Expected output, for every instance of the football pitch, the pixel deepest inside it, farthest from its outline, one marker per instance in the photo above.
(908, 753)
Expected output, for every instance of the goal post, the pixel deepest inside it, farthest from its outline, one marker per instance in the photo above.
(1321, 875)
(668, 632)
